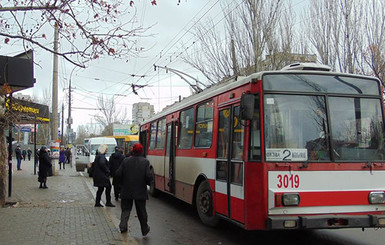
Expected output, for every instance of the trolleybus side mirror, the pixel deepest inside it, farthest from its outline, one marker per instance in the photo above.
(247, 106)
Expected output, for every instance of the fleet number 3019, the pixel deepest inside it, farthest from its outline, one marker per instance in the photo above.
(288, 181)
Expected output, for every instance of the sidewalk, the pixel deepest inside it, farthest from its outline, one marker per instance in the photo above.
(62, 214)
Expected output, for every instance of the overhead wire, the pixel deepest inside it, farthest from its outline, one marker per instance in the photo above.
(194, 42)
(167, 48)
(238, 4)
(149, 64)
(170, 42)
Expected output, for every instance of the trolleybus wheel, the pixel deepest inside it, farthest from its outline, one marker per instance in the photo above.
(204, 205)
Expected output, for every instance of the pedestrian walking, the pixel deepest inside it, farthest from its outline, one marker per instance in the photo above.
(68, 155)
(115, 160)
(62, 157)
(129, 152)
(24, 153)
(18, 156)
(101, 176)
(44, 166)
(29, 153)
(135, 174)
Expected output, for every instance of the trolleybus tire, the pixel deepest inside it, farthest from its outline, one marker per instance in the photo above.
(204, 205)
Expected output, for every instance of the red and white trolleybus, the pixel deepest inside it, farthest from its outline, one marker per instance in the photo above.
(288, 149)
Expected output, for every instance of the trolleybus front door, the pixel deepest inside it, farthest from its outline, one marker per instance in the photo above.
(169, 159)
(230, 165)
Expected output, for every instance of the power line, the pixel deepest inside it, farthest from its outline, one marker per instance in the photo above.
(157, 59)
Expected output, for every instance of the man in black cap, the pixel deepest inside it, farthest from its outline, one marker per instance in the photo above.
(115, 160)
(135, 173)
(18, 157)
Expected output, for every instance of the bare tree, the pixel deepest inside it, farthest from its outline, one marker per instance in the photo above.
(374, 53)
(335, 31)
(253, 30)
(108, 114)
(88, 29)
(348, 35)
(82, 133)
(351, 12)
(322, 30)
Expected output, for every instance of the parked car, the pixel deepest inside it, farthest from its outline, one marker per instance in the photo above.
(82, 158)
(93, 146)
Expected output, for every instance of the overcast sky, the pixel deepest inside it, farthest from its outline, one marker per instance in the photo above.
(172, 25)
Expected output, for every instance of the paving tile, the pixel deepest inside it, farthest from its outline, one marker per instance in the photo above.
(62, 214)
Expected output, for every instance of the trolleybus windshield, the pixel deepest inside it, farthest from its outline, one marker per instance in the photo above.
(322, 118)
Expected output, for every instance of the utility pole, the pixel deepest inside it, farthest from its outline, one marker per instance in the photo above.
(69, 122)
(54, 119)
(62, 124)
(54, 135)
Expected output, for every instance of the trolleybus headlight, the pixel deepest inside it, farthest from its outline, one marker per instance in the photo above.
(290, 199)
(377, 197)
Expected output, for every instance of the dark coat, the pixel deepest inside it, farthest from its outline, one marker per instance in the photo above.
(101, 174)
(135, 174)
(44, 165)
(115, 161)
(18, 153)
(29, 152)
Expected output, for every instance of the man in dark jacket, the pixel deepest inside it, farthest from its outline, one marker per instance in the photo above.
(18, 157)
(29, 153)
(101, 176)
(115, 160)
(135, 174)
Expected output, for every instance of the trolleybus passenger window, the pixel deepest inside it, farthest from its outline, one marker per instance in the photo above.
(237, 173)
(153, 135)
(238, 135)
(204, 125)
(223, 133)
(161, 135)
(255, 135)
(186, 127)
(222, 170)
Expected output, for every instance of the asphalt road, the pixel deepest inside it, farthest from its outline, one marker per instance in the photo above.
(175, 222)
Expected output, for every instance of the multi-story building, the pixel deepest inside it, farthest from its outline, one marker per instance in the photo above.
(141, 111)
